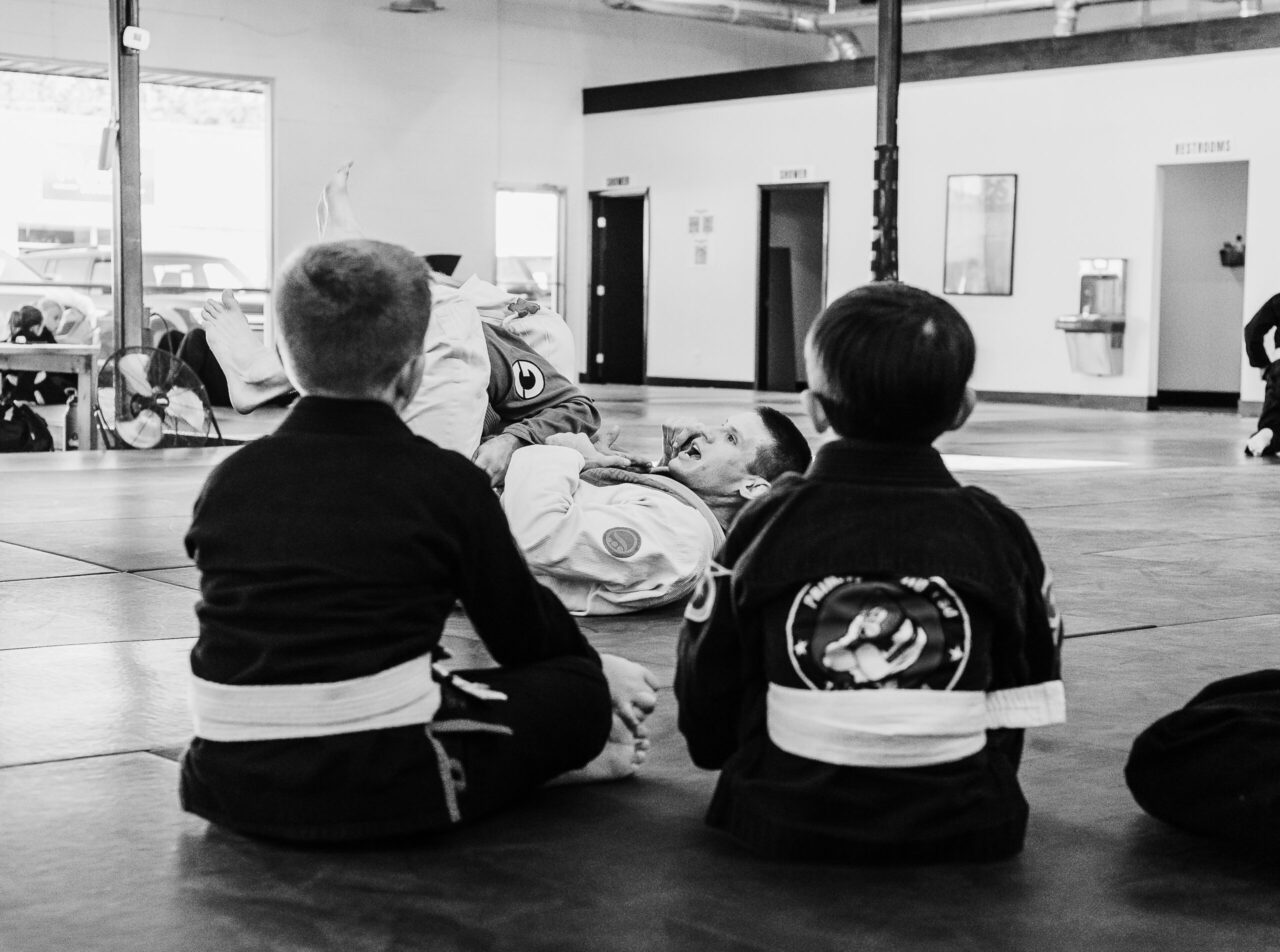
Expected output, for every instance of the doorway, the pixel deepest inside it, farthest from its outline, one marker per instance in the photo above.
(1201, 312)
(792, 280)
(616, 314)
(529, 242)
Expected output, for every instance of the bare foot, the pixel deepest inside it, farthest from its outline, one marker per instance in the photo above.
(622, 756)
(334, 216)
(254, 374)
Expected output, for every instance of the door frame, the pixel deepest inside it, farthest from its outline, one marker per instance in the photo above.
(762, 262)
(592, 374)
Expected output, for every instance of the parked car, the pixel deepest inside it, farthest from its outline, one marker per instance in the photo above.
(175, 284)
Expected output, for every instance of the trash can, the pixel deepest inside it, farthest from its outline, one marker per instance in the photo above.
(1095, 345)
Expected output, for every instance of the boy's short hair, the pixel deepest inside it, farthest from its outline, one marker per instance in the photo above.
(896, 360)
(352, 313)
(787, 451)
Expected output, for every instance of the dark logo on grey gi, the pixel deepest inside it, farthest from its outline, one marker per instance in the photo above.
(848, 633)
(529, 381)
(622, 542)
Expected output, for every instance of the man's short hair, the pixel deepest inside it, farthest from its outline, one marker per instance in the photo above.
(352, 313)
(787, 450)
(896, 360)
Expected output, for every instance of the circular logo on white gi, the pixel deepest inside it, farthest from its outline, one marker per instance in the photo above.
(848, 633)
(529, 380)
(621, 541)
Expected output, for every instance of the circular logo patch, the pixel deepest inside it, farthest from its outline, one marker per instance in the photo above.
(848, 633)
(529, 380)
(621, 541)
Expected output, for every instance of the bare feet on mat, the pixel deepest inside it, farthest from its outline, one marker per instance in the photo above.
(334, 216)
(624, 752)
(254, 374)
(633, 688)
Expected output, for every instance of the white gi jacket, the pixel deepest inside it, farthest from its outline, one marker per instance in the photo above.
(638, 541)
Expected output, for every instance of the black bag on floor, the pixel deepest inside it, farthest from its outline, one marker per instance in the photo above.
(22, 430)
(1214, 767)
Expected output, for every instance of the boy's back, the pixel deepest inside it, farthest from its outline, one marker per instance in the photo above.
(861, 663)
(897, 598)
(335, 549)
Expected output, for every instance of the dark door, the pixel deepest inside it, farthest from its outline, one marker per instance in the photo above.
(615, 329)
(792, 279)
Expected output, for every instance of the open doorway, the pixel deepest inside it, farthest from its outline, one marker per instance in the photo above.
(792, 280)
(1203, 207)
(616, 314)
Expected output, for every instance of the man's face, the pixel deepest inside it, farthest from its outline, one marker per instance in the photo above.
(715, 462)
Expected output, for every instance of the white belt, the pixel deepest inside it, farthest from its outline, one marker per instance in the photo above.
(902, 728)
(400, 696)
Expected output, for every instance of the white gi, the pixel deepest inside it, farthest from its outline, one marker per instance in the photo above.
(637, 541)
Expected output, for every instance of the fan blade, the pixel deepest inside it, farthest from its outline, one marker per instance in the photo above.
(133, 368)
(143, 432)
(187, 406)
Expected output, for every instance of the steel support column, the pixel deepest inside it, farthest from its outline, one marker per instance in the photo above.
(126, 233)
(884, 240)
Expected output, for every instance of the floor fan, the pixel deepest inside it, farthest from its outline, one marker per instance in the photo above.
(150, 399)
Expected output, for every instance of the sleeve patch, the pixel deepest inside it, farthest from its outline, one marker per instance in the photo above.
(621, 542)
(528, 379)
(703, 600)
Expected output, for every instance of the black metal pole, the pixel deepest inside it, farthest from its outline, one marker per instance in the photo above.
(884, 240)
(126, 233)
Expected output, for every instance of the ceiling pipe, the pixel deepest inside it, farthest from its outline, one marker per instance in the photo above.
(781, 16)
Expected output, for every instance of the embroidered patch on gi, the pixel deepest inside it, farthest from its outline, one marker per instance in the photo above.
(848, 632)
(529, 380)
(703, 600)
(622, 542)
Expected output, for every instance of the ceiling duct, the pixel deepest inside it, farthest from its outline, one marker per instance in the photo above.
(837, 25)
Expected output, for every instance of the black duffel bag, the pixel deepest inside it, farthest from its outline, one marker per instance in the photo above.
(22, 430)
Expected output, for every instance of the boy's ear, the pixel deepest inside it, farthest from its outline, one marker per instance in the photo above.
(817, 413)
(966, 407)
(753, 486)
(410, 378)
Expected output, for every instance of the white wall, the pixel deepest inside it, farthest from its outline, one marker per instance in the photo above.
(1085, 144)
(1200, 302)
(435, 109)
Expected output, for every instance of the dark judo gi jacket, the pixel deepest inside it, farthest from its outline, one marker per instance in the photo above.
(333, 549)
(861, 658)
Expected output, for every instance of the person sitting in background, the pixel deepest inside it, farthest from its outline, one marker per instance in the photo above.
(330, 553)
(608, 539)
(27, 326)
(860, 659)
(70, 315)
(1260, 348)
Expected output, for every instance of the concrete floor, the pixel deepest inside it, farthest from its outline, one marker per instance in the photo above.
(1163, 541)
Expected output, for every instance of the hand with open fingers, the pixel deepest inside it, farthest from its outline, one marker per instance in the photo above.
(604, 442)
(676, 434)
(633, 687)
(592, 456)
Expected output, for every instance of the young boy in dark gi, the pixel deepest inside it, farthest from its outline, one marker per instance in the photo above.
(860, 663)
(330, 554)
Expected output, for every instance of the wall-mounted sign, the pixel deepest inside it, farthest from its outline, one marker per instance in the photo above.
(802, 173)
(701, 224)
(1202, 147)
(617, 181)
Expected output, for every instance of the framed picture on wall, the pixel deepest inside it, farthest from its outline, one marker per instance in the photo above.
(979, 236)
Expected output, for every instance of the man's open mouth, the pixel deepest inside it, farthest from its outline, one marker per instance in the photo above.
(691, 450)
